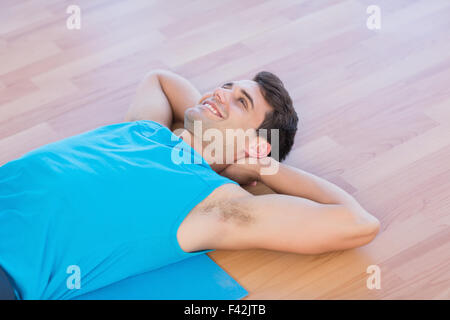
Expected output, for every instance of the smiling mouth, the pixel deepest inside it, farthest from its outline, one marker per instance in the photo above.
(213, 109)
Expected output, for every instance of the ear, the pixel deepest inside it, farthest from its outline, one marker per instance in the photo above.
(258, 148)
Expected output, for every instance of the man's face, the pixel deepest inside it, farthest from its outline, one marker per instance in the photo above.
(234, 105)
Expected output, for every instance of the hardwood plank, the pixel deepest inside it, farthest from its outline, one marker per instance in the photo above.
(374, 110)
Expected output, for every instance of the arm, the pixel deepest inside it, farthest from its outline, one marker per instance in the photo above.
(293, 224)
(163, 96)
(296, 182)
(311, 216)
(292, 181)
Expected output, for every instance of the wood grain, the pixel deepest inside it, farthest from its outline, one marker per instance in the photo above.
(374, 110)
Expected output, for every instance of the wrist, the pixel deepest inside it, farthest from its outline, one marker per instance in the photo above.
(257, 171)
(267, 167)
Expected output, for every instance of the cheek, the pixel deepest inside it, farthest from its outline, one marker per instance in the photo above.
(239, 112)
(204, 97)
(239, 121)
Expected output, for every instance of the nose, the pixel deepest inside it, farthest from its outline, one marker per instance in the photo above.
(220, 95)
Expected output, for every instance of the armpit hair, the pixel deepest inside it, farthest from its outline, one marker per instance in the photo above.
(229, 211)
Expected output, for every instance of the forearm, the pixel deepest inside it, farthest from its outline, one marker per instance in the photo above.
(180, 93)
(296, 182)
(150, 102)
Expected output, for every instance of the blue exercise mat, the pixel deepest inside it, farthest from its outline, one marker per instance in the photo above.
(196, 278)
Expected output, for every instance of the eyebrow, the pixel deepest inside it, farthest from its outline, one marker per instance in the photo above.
(245, 93)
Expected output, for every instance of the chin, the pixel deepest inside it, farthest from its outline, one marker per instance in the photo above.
(194, 113)
(198, 114)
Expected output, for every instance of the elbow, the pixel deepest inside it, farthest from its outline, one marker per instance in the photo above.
(368, 225)
(366, 229)
(152, 75)
(357, 233)
(361, 222)
(376, 226)
(371, 230)
(363, 228)
(158, 73)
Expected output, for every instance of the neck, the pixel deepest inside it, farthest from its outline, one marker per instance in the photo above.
(197, 144)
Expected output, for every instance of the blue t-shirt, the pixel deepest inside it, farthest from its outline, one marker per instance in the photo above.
(104, 205)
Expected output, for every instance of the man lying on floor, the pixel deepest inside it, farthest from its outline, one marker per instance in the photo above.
(117, 201)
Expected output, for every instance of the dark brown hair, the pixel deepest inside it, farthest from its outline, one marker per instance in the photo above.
(283, 116)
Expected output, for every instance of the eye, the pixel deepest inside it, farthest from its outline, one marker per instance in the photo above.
(243, 102)
(229, 85)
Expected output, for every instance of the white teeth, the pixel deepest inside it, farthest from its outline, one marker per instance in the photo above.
(211, 108)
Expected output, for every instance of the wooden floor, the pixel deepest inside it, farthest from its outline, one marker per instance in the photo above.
(374, 108)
